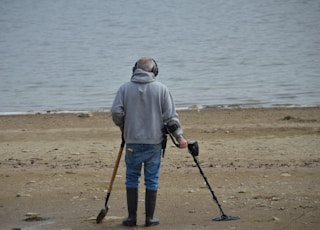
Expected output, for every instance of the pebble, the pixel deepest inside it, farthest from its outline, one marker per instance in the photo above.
(192, 211)
(35, 218)
(261, 205)
(275, 218)
(23, 195)
(75, 197)
(90, 218)
(189, 190)
(285, 175)
(203, 186)
(32, 214)
(84, 115)
(114, 218)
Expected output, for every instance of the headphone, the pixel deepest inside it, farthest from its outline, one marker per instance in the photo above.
(154, 70)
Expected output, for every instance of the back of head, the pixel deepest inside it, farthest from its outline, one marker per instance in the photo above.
(147, 64)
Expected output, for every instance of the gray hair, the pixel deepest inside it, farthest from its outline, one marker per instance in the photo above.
(146, 64)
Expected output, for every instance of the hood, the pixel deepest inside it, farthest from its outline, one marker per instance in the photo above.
(141, 76)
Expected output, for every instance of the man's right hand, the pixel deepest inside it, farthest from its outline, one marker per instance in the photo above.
(183, 143)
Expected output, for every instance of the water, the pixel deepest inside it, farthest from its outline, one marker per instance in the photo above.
(73, 55)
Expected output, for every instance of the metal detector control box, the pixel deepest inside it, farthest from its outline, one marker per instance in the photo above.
(193, 148)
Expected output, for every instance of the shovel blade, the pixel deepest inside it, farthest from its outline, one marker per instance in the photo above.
(226, 218)
(102, 215)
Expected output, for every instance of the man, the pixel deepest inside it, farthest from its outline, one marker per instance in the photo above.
(141, 108)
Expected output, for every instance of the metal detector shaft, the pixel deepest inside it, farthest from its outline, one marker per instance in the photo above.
(195, 159)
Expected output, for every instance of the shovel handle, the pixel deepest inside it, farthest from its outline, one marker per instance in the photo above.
(115, 169)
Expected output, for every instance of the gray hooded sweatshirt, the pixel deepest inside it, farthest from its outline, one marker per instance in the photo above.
(141, 107)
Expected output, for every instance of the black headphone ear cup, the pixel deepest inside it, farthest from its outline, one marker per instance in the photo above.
(134, 67)
(155, 69)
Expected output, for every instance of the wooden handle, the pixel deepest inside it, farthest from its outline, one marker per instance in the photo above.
(115, 169)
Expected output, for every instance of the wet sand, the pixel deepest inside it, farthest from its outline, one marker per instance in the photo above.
(263, 165)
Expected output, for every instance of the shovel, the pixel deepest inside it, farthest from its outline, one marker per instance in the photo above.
(105, 210)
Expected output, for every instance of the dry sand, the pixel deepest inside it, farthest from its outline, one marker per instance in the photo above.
(263, 165)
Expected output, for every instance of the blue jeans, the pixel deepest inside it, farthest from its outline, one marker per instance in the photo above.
(149, 156)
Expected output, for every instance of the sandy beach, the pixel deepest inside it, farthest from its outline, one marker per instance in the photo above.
(263, 165)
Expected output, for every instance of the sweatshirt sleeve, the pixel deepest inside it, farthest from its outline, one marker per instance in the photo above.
(117, 109)
(170, 116)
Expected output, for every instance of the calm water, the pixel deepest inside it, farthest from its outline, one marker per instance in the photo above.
(73, 55)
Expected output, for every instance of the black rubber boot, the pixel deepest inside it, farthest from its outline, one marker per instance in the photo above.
(151, 197)
(132, 203)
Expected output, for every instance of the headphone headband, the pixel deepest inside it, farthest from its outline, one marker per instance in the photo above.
(154, 69)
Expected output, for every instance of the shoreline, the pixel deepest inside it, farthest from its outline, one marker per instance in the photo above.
(184, 108)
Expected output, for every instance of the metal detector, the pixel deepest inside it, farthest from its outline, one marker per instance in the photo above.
(193, 149)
